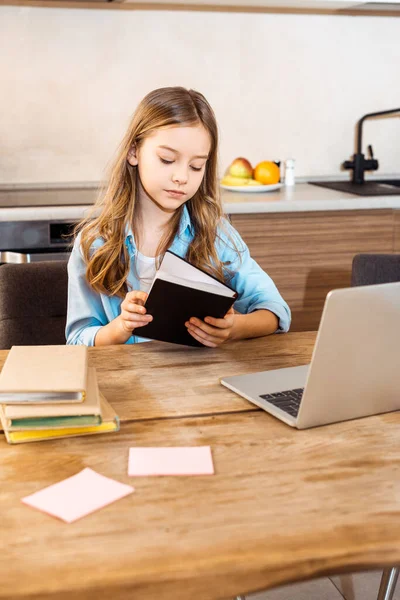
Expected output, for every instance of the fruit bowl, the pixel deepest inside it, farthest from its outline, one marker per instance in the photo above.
(241, 177)
(250, 189)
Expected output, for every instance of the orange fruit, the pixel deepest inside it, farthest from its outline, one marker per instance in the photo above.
(267, 172)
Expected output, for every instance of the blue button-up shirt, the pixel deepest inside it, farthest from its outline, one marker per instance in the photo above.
(89, 310)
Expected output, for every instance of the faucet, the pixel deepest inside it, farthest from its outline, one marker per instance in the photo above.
(359, 164)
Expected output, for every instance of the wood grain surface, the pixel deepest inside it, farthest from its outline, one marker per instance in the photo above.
(309, 254)
(396, 240)
(283, 505)
(157, 380)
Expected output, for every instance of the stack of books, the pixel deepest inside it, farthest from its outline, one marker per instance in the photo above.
(49, 392)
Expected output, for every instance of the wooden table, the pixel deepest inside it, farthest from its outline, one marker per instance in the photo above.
(284, 505)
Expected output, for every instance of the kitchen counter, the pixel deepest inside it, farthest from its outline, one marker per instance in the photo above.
(71, 202)
(302, 197)
(74, 203)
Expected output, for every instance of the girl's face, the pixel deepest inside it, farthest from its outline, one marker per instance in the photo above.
(171, 164)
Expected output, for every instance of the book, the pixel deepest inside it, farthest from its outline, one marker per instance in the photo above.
(178, 292)
(110, 423)
(43, 374)
(29, 414)
(53, 422)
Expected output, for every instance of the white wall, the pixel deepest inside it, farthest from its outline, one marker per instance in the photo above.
(281, 85)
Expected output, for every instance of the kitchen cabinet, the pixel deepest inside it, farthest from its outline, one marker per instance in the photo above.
(309, 253)
(338, 7)
(396, 233)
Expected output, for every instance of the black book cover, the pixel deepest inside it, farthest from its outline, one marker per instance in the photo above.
(172, 304)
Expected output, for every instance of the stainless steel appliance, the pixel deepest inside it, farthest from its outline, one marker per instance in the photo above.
(32, 241)
(23, 241)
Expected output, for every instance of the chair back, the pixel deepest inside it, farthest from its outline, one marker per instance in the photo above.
(369, 269)
(33, 303)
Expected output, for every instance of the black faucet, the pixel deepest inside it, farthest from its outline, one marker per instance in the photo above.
(359, 164)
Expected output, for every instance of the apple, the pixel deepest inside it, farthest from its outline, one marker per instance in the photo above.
(241, 167)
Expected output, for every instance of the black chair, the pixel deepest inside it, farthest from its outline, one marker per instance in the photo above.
(33, 303)
(369, 269)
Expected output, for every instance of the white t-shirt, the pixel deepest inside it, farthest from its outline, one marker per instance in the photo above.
(146, 270)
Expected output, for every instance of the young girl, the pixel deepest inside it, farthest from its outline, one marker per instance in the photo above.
(163, 194)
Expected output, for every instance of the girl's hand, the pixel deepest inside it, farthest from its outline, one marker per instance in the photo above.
(133, 313)
(212, 332)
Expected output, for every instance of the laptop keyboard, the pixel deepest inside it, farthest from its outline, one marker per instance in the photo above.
(288, 401)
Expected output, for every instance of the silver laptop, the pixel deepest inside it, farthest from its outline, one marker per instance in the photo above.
(355, 365)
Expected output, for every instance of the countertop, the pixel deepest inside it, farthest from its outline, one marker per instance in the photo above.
(73, 203)
(302, 197)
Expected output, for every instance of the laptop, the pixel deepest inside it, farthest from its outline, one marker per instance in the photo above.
(355, 365)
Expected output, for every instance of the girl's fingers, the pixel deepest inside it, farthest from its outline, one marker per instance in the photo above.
(129, 306)
(137, 296)
(203, 335)
(216, 332)
(138, 319)
(202, 340)
(136, 324)
(224, 323)
(133, 313)
(220, 323)
(131, 325)
(136, 308)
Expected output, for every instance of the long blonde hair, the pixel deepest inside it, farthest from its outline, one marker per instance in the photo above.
(108, 265)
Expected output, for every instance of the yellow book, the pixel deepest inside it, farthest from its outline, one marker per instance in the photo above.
(110, 422)
(43, 374)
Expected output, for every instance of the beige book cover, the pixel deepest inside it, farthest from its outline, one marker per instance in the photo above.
(110, 423)
(42, 374)
(90, 406)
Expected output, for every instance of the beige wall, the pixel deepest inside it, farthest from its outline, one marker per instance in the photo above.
(281, 85)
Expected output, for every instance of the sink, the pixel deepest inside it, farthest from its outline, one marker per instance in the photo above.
(377, 187)
(395, 182)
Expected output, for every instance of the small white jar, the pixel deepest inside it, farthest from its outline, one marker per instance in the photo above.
(289, 171)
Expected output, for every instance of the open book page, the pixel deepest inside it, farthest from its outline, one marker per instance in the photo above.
(90, 406)
(197, 285)
(177, 270)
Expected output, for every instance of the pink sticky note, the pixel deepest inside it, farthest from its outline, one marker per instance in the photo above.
(78, 495)
(171, 461)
